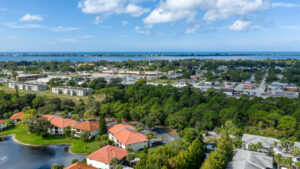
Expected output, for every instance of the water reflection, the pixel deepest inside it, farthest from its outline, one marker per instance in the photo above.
(16, 156)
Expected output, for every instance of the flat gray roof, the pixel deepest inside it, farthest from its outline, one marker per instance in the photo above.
(244, 159)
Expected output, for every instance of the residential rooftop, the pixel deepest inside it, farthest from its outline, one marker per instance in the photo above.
(244, 159)
(17, 116)
(79, 165)
(87, 126)
(107, 153)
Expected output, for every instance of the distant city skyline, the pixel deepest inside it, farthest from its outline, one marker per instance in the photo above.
(149, 25)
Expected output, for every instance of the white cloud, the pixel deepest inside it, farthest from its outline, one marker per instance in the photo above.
(191, 30)
(87, 36)
(239, 25)
(98, 6)
(173, 10)
(14, 25)
(141, 31)
(29, 18)
(283, 4)
(98, 20)
(124, 23)
(112, 7)
(135, 11)
(292, 27)
(68, 40)
(62, 29)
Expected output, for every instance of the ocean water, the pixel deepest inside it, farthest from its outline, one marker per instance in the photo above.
(140, 56)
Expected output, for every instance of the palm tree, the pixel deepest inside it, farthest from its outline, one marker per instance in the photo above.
(283, 143)
(295, 151)
(259, 146)
(297, 165)
(129, 158)
(114, 161)
(288, 162)
(278, 158)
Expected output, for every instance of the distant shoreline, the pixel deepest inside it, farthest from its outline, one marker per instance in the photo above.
(143, 54)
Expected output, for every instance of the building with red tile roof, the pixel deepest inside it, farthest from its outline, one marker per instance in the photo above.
(60, 123)
(102, 157)
(129, 137)
(125, 135)
(46, 117)
(90, 126)
(79, 165)
(113, 129)
(3, 125)
(17, 117)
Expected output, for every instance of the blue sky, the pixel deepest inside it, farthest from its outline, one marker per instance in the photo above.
(149, 25)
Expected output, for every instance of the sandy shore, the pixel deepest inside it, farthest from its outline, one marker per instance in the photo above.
(13, 136)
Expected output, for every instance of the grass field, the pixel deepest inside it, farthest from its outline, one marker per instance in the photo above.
(77, 145)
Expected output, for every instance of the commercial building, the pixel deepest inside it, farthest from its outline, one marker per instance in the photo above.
(284, 94)
(27, 86)
(73, 91)
(102, 158)
(29, 77)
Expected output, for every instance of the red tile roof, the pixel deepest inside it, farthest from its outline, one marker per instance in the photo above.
(2, 121)
(87, 126)
(79, 165)
(17, 116)
(61, 122)
(116, 128)
(128, 137)
(107, 153)
(46, 117)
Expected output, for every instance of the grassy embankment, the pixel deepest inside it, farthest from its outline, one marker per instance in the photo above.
(78, 146)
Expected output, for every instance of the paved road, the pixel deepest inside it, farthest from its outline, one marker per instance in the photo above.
(163, 133)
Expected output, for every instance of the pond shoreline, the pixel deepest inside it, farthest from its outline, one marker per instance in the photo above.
(13, 136)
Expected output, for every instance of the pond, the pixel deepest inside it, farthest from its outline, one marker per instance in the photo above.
(17, 156)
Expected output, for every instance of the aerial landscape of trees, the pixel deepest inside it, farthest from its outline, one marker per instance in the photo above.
(178, 108)
(188, 111)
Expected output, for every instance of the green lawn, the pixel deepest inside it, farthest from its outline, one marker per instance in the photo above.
(150, 150)
(78, 146)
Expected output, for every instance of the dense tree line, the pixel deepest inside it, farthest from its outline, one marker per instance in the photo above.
(188, 152)
(177, 108)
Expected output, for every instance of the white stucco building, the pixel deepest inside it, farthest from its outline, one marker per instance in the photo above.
(270, 144)
(59, 124)
(124, 136)
(72, 91)
(27, 86)
(17, 117)
(102, 157)
(3, 125)
(90, 126)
